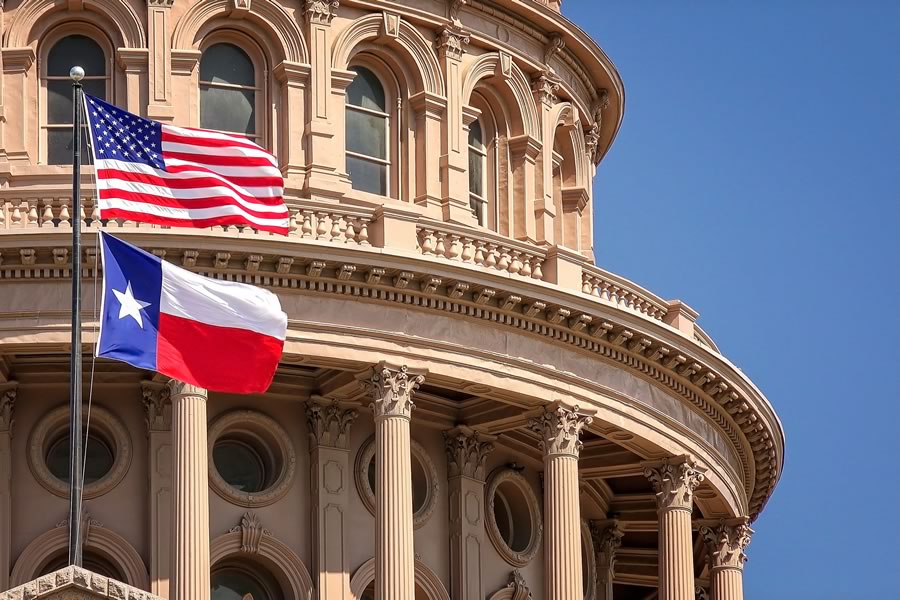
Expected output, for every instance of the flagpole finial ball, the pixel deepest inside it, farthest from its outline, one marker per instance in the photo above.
(76, 73)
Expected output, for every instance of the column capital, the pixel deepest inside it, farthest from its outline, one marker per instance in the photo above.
(674, 481)
(560, 429)
(726, 542)
(157, 406)
(391, 388)
(329, 422)
(607, 535)
(7, 406)
(467, 452)
(451, 42)
(160, 3)
(178, 389)
(544, 87)
(321, 12)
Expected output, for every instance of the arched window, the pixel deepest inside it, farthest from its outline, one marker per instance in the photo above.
(477, 173)
(229, 91)
(89, 560)
(367, 130)
(238, 581)
(67, 52)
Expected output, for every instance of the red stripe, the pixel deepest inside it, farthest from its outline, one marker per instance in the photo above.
(188, 203)
(221, 359)
(142, 217)
(210, 142)
(225, 161)
(276, 180)
(185, 184)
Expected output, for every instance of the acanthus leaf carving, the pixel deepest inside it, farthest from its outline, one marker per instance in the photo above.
(560, 429)
(520, 589)
(392, 389)
(726, 544)
(329, 423)
(251, 531)
(157, 406)
(674, 481)
(451, 41)
(544, 86)
(607, 536)
(321, 11)
(467, 452)
(7, 407)
(555, 45)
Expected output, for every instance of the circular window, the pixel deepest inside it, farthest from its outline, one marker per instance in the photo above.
(251, 458)
(236, 582)
(514, 526)
(425, 485)
(107, 452)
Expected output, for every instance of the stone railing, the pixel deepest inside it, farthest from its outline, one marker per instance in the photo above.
(481, 248)
(622, 293)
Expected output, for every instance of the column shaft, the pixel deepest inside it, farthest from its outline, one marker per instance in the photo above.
(676, 555)
(190, 514)
(158, 411)
(563, 516)
(394, 556)
(727, 584)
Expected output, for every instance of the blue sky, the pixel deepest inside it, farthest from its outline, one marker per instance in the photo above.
(756, 177)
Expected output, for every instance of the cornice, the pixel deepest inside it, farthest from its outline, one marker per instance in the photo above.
(694, 372)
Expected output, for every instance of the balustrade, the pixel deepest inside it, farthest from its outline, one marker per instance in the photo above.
(622, 293)
(485, 250)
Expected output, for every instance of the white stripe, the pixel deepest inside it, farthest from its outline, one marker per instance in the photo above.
(226, 170)
(187, 214)
(221, 303)
(233, 151)
(130, 167)
(208, 133)
(190, 194)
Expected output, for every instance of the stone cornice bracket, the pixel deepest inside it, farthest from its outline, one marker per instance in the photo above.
(674, 481)
(321, 11)
(251, 531)
(555, 45)
(453, 8)
(157, 407)
(467, 452)
(607, 536)
(392, 388)
(726, 543)
(329, 422)
(520, 590)
(178, 389)
(451, 42)
(592, 136)
(7, 407)
(560, 429)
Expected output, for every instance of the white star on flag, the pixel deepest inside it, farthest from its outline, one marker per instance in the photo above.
(130, 307)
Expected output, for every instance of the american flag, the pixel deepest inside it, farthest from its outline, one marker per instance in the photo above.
(182, 177)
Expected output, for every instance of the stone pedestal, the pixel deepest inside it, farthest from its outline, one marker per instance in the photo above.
(674, 481)
(726, 542)
(560, 429)
(190, 507)
(391, 389)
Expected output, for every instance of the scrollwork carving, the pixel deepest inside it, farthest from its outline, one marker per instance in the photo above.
(329, 423)
(392, 390)
(726, 544)
(251, 531)
(675, 482)
(467, 452)
(560, 430)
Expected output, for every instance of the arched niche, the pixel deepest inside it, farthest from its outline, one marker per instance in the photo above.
(426, 580)
(510, 83)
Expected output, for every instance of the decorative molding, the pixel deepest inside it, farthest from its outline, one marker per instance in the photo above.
(329, 423)
(516, 589)
(392, 389)
(284, 561)
(451, 41)
(426, 581)
(513, 476)
(157, 406)
(321, 12)
(161, 3)
(560, 429)
(555, 45)
(726, 543)
(7, 408)
(544, 87)
(674, 481)
(251, 531)
(467, 452)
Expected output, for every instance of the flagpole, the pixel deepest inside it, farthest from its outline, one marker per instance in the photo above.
(76, 481)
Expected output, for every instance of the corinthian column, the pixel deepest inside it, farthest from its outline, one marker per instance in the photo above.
(725, 543)
(329, 439)
(467, 451)
(674, 482)
(607, 540)
(190, 512)
(392, 390)
(560, 429)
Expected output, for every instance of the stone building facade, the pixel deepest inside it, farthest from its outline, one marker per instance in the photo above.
(467, 407)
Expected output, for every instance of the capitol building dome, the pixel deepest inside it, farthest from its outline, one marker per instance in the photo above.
(468, 407)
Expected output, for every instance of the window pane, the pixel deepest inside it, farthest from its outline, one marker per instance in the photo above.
(476, 173)
(59, 98)
(367, 134)
(76, 50)
(98, 459)
(226, 63)
(228, 110)
(475, 136)
(59, 146)
(240, 466)
(233, 584)
(367, 176)
(366, 90)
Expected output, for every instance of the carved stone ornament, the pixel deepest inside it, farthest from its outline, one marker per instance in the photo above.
(157, 407)
(560, 430)
(241, 6)
(161, 3)
(519, 587)
(701, 593)
(392, 390)
(555, 45)
(544, 86)
(454, 6)
(466, 453)
(251, 531)
(179, 388)
(7, 405)
(321, 11)
(675, 482)
(329, 423)
(726, 544)
(607, 540)
(450, 42)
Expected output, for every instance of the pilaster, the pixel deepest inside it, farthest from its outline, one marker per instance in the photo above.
(725, 543)
(428, 110)
(159, 106)
(524, 151)
(544, 87)
(134, 62)
(18, 118)
(391, 389)
(329, 424)
(607, 535)
(7, 406)
(293, 78)
(674, 481)
(467, 451)
(158, 417)
(559, 428)
(190, 507)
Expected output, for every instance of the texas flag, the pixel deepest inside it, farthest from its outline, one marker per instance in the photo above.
(218, 335)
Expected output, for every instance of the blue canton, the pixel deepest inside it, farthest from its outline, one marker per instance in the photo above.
(120, 135)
